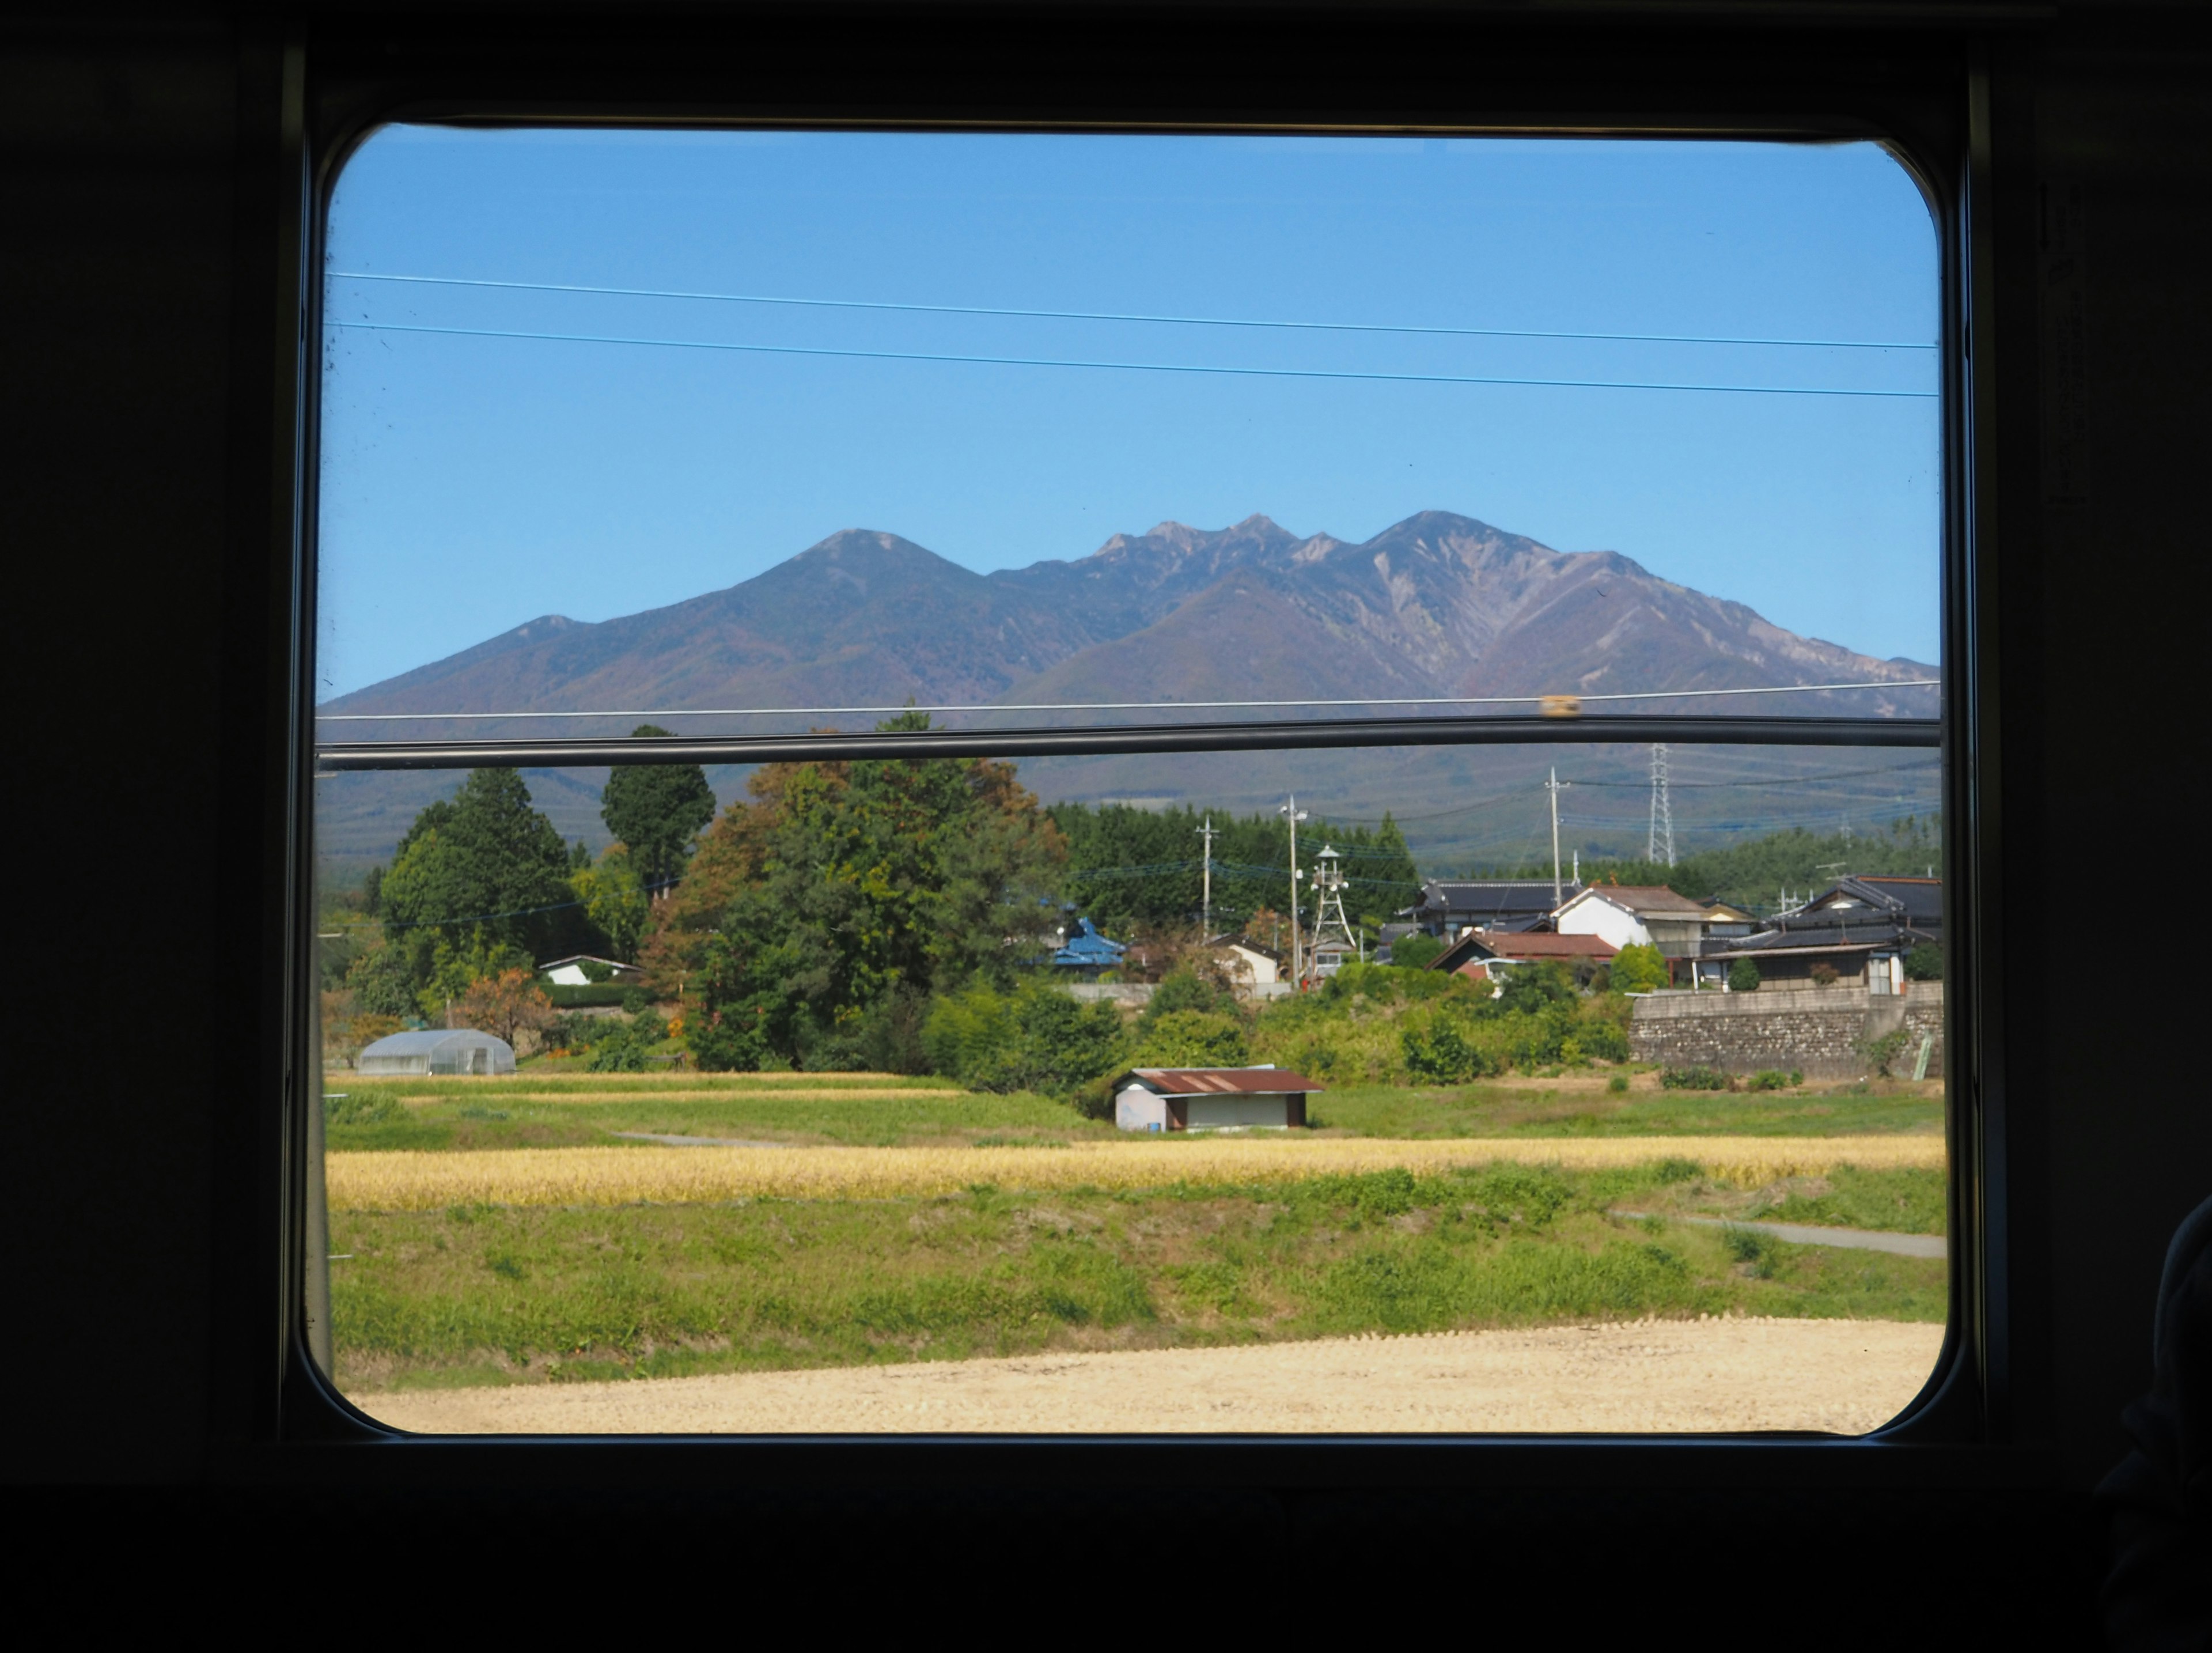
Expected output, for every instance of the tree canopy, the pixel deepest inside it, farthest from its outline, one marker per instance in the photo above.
(657, 809)
(481, 878)
(850, 891)
(1128, 865)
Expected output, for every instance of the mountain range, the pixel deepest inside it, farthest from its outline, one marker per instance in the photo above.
(1438, 605)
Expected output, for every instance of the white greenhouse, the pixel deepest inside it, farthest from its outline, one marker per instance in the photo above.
(437, 1050)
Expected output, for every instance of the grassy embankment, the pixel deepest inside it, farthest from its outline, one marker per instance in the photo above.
(487, 1293)
(927, 1223)
(881, 1111)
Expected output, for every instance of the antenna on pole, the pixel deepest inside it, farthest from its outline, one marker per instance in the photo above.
(1659, 846)
(1290, 809)
(1553, 786)
(1206, 899)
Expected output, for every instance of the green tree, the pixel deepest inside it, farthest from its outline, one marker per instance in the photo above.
(1035, 1038)
(614, 900)
(1185, 990)
(858, 889)
(1414, 951)
(1638, 969)
(1192, 1038)
(1743, 976)
(657, 810)
(1924, 963)
(483, 879)
(382, 983)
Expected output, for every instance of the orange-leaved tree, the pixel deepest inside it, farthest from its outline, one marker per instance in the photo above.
(509, 1004)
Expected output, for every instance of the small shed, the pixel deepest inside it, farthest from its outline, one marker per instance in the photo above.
(1084, 948)
(588, 969)
(437, 1050)
(1210, 1098)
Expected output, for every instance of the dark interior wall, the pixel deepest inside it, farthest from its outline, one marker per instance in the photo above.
(139, 159)
(2107, 659)
(117, 148)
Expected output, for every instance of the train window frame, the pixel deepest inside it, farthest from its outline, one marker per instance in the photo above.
(339, 87)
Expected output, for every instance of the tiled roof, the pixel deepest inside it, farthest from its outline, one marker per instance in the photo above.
(1642, 898)
(1489, 895)
(1813, 938)
(1540, 945)
(1219, 1081)
(1918, 899)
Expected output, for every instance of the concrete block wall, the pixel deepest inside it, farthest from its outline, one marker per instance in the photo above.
(1822, 1031)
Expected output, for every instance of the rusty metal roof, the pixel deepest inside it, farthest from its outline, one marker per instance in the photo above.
(1219, 1081)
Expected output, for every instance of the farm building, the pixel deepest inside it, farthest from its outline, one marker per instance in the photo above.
(1209, 1098)
(1254, 971)
(584, 969)
(437, 1050)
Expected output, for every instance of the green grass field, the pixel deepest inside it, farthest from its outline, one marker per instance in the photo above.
(491, 1294)
(565, 1111)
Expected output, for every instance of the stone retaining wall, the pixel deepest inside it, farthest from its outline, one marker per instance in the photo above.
(1823, 1032)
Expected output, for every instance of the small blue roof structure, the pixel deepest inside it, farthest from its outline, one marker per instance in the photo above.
(1085, 949)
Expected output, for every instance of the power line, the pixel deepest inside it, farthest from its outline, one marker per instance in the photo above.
(1097, 315)
(1129, 705)
(1122, 366)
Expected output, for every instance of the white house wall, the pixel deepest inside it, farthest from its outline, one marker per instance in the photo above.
(1136, 1109)
(1601, 919)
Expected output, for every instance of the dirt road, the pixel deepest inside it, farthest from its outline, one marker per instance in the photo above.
(1848, 1377)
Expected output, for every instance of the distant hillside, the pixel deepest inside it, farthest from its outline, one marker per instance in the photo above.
(1437, 606)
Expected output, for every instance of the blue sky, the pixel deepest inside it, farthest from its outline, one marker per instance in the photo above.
(471, 482)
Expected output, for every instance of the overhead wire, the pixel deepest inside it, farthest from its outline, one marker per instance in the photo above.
(1336, 374)
(1138, 317)
(1136, 705)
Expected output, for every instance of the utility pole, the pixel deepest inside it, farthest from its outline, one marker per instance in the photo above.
(1552, 786)
(1206, 900)
(1291, 809)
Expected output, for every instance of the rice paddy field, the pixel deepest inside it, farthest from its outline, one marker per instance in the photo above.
(555, 1228)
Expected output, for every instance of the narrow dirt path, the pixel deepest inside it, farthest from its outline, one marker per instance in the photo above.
(1646, 1376)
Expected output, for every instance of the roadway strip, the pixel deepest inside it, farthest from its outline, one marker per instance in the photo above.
(1848, 1239)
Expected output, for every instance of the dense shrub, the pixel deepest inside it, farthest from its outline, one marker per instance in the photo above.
(1035, 1038)
(1694, 1078)
(1743, 976)
(1924, 963)
(344, 1108)
(1636, 969)
(1414, 953)
(1444, 1056)
(1824, 975)
(1191, 1038)
(1774, 1079)
(627, 1047)
(1185, 990)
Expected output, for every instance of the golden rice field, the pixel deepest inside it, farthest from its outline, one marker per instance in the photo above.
(818, 1093)
(613, 1176)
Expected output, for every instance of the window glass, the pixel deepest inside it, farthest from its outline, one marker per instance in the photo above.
(1077, 1084)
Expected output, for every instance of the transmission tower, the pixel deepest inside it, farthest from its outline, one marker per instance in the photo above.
(1659, 845)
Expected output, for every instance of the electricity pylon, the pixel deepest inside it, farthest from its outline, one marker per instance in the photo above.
(1660, 845)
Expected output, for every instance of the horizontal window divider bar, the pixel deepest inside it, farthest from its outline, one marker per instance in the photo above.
(1099, 741)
